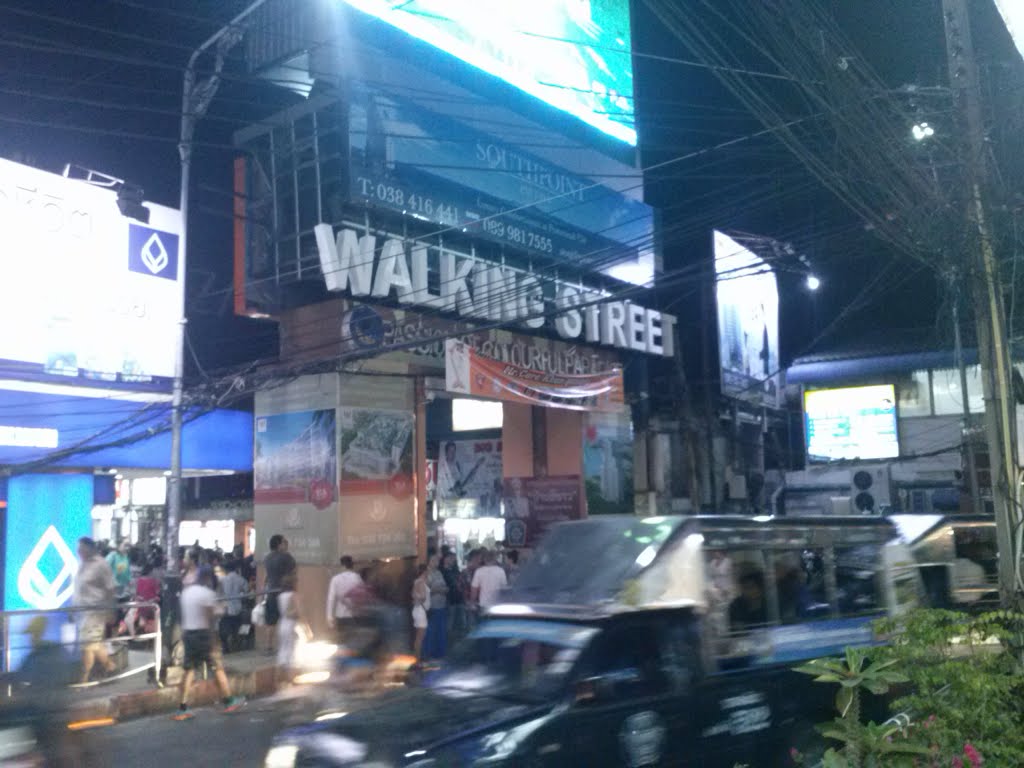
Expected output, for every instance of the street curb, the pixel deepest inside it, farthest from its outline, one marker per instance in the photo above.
(155, 701)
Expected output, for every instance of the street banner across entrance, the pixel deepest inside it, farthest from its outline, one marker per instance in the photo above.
(468, 372)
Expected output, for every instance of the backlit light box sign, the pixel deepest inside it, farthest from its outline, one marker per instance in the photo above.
(572, 54)
(851, 423)
(468, 414)
(97, 296)
(748, 324)
(46, 515)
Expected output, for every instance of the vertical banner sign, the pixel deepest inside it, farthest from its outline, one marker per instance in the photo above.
(608, 464)
(295, 470)
(748, 324)
(534, 504)
(46, 515)
(377, 504)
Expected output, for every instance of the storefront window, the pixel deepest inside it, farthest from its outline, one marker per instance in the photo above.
(915, 395)
(947, 391)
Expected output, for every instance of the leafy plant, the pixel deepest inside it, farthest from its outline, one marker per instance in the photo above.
(966, 681)
(863, 745)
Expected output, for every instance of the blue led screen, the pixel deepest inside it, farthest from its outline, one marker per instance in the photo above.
(575, 55)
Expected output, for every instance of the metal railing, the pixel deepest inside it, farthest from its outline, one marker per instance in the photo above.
(66, 616)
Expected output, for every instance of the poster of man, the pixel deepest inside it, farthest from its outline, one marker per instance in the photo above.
(468, 469)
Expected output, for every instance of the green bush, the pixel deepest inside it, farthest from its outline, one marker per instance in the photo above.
(965, 680)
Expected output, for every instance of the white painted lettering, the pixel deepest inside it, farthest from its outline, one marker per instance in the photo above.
(668, 335)
(592, 313)
(569, 324)
(393, 272)
(653, 332)
(455, 295)
(420, 290)
(613, 322)
(347, 260)
(636, 327)
(532, 297)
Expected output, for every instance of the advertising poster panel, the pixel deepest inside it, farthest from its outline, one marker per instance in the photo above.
(533, 504)
(748, 324)
(470, 470)
(295, 479)
(608, 465)
(378, 504)
(46, 515)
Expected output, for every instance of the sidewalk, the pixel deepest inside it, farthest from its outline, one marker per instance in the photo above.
(251, 674)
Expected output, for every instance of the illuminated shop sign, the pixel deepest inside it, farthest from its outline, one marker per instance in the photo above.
(575, 55)
(97, 297)
(392, 267)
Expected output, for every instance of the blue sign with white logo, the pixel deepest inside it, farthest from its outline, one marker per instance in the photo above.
(46, 515)
(152, 252)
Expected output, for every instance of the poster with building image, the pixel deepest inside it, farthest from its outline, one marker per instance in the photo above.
(377, 489)
(295, 480)
(608, 463)
(295, 458)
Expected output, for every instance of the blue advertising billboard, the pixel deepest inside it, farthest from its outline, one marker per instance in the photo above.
(436, 168)
(575, 55)
(46, 515)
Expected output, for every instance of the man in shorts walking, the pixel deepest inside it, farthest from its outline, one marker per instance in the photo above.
(94, 589)
(199, 611)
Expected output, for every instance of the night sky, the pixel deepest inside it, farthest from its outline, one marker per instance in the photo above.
(98, 83)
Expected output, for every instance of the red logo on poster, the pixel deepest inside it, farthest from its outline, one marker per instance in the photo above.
(400, 486)
(321, 494)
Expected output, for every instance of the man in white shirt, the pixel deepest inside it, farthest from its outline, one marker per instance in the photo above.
(199, 611)
(488, 581)
(339, 609)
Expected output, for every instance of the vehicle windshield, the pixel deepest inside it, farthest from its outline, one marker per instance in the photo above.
(528, 659)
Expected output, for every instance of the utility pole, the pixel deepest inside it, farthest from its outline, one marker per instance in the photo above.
(987, 293)
(195, 101)
(958, 352)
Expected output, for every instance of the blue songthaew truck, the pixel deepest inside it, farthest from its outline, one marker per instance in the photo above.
(628, 641)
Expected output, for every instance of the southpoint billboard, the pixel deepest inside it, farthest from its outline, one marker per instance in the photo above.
(419, 162)
(575, 55)
(90, 296)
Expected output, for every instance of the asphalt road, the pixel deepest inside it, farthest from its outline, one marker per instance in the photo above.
(210, 739)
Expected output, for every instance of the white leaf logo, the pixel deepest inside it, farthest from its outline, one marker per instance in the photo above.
(154, 255)
(33, 585)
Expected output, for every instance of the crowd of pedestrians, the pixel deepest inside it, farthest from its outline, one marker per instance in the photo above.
(219, 602)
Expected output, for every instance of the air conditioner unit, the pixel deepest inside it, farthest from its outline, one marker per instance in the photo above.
(870, 490)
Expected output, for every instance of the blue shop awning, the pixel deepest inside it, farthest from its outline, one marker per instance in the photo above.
(836, 370)
(117, 430)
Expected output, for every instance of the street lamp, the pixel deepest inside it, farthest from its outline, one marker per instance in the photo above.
(813, 282)
(195, 100)
(922, 131)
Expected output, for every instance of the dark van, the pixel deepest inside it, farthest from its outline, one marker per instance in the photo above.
(636, 642)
